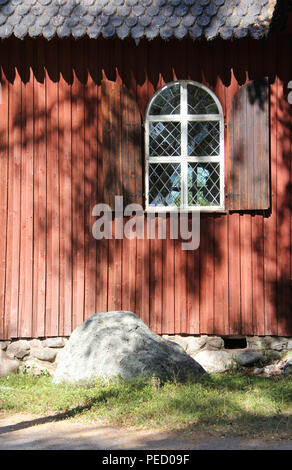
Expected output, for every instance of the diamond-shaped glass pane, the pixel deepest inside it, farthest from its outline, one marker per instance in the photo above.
(200, 101)
(203, 138)
(204, 184)
(167, 101)
(164, 184)
(164, 139)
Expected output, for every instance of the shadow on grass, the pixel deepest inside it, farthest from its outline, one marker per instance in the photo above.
(232, 405)
(103, 396)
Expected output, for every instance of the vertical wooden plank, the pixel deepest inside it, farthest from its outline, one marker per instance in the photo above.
(111, 142)
(27, 202)
(257, 278)
(207, 275)
(261, 190)
(115, 273)
(246, 191)
(289, 326)
(193, 59)
(178, 53)
(137, 139)
(142, 263)
(102, 245)
(102, 270)
(118, 60)
(64, 150)
(193, 257)
(78, 180)
(14, 201)
(234, 275)
(142, 76)
(154, 79)
(155, 252)
(53, 191)
(193, 291)
(128, 280)
(129, 155)
(102, 251)
(129, 66)
(256, 70)
(168, 288)
(142, 279)
(161, 251)
(90, 179)
(4, 159)
(156, 282)
(270, 223)
(131, 149)
(246, 275)
(247, 128)
(245, 157)
(207, 222)
(180, 287)
(233, 218)
(40, 191)
(284, 302)
(221, 319)
(112, 183)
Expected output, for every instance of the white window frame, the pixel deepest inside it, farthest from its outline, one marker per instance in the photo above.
(184, 159)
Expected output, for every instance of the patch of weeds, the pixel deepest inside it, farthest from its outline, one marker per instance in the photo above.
(270, 357)
(22, 369)
(32, 368)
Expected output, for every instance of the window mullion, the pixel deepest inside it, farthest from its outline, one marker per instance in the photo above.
(184, 145)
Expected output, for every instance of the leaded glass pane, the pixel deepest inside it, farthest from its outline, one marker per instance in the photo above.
(204, 184)
(203, 138)
(164, 139)
(164, 184)
(166, 102)
(200, 102)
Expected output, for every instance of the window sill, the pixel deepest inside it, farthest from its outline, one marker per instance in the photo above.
(169, 210)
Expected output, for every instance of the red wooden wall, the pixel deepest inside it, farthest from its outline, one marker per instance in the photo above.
(53, 274)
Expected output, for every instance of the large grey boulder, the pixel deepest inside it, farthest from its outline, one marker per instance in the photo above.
(118, 343)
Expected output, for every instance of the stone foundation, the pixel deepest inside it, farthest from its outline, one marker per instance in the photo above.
(266, 355)
(34, 356)
(193, 344)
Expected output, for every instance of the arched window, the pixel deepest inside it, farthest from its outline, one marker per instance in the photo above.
(184, 139)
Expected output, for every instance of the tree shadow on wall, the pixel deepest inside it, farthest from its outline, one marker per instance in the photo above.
(53, 135)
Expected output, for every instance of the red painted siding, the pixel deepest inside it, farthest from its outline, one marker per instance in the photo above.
(53, 274)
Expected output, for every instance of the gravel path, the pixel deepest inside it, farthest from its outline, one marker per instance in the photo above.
(24, 432)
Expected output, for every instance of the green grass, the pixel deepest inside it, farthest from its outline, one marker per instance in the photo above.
(232, 404)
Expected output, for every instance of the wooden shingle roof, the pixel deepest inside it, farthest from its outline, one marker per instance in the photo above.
(136, 18)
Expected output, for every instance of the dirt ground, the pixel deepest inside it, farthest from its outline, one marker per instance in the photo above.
(24, 432)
